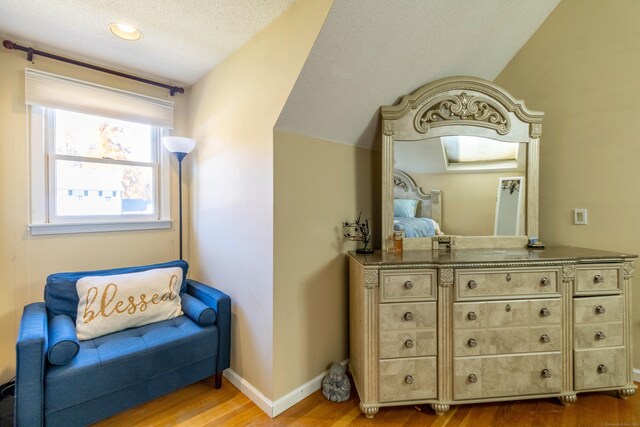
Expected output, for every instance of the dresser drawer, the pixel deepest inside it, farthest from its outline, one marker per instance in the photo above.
(495, 376)
(400, 316)
(506, 283)
(507, 313)
(603, 278)
(469, 315)
(545, 311)
(407, 379)
(407, 285)
(599, 368)
(475, 342)
(410, 343)
(545, 338)
(598, 309)
(596, 335)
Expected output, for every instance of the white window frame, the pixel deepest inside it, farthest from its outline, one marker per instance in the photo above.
(42, 169)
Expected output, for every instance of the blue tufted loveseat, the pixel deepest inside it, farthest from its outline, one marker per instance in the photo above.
(117, 371)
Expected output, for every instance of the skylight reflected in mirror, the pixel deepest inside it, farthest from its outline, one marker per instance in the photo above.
(472, 149)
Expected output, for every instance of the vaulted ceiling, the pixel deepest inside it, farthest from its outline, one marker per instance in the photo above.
(368, 53)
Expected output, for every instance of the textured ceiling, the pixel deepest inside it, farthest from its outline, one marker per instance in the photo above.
(369, 53)
(182, 39)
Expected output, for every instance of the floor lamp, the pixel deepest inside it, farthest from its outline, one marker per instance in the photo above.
(179, 146)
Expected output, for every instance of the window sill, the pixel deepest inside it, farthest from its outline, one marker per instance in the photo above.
(97, 227)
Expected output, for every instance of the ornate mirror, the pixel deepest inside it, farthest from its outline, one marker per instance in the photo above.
(449, 148)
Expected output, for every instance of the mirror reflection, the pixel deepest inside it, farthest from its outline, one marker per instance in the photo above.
(509, 207)
(459, 184)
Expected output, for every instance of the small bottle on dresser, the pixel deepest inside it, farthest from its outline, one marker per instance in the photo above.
(398, 237)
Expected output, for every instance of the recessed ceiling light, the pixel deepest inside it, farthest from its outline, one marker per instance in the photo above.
(126, 32)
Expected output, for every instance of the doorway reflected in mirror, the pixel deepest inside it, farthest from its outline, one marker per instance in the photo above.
(510, 207)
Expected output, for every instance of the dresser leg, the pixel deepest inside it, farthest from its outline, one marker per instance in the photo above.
(369, 412)
(624, 393)
(568, 400)
(440, 408)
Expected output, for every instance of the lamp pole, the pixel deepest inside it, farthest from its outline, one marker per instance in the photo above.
(180, 157)
(179, 147)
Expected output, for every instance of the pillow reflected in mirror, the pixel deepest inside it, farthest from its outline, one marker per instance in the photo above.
(404, 208)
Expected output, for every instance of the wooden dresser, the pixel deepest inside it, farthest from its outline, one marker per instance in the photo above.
(478, 325)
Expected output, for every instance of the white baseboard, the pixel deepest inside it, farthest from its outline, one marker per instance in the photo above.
(271, 408)
(248, 390)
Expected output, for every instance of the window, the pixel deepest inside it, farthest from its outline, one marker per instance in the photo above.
(91, 148)
(101, 154)
(470, 153)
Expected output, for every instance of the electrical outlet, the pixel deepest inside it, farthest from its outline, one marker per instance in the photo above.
(580, 216)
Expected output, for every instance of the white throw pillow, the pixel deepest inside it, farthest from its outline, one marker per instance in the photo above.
(112, 303)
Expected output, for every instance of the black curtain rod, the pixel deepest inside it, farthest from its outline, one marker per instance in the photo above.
(30, 52)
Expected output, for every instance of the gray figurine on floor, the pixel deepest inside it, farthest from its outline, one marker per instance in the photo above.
(335, 385)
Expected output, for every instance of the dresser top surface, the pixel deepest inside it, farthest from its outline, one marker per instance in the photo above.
(465, 256)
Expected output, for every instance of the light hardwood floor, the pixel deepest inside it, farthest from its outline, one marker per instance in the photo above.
(202, 405)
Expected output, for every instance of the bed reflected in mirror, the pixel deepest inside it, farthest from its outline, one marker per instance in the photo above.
(415, 213)
(456, 137)
(465, 171)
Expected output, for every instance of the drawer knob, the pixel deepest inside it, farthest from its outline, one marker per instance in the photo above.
(408, 284)
(598, 278)
(602, 369)
(408, 344)
(600, 310)
(545, 338)
(600, 336)
(408, 315)
(472, 284)
(545, 281)
(473, 378)
(408, 379)
(546, 373)
(507, 308)
(508, 277)
(472, 343)
(545, 312)
(472, 315)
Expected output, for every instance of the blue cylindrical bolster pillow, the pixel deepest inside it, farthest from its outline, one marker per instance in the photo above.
(63, 341)
(197, 311)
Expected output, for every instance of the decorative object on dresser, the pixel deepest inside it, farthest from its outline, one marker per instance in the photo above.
(479, 317)
(362, 233)
(335, 385)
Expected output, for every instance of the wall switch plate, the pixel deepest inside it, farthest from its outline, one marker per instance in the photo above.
(580, 216)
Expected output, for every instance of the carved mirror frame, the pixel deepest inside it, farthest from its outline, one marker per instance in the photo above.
(466, 106)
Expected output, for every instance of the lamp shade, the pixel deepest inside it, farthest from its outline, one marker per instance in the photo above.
(178, 144)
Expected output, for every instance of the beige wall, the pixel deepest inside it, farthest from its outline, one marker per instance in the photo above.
(25, 260)
(232, 112)
(317, 185)
(581, 68)
(468, 200)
